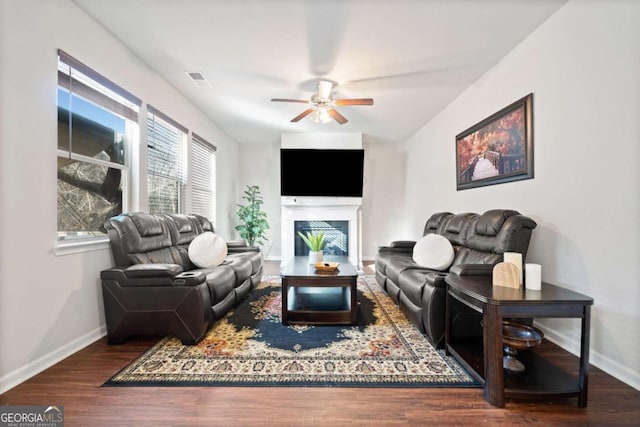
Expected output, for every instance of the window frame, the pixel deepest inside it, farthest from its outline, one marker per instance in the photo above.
(131, 137)
(197, 139)
(183, 176)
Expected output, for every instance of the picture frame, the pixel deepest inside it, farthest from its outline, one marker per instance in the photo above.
(498, 149)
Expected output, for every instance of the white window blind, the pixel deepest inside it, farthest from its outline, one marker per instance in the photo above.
(203, 178)
(166, 168)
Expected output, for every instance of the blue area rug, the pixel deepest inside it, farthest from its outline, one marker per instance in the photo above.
(251, 347)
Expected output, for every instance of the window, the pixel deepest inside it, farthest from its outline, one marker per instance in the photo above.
(97, 122)
(203, 178)
(166, 169)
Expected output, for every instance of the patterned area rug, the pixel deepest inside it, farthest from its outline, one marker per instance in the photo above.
(251, 347)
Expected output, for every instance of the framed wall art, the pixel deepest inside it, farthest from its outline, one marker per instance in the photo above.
(499, 149)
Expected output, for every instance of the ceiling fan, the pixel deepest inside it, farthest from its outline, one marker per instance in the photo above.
(322, 106)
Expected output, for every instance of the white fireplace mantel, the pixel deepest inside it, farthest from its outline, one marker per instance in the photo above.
(322, 209)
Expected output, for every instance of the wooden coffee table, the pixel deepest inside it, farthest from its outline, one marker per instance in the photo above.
(319, 298)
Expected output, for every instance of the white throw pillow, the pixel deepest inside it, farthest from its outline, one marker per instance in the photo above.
(207, 250)
(433, 251)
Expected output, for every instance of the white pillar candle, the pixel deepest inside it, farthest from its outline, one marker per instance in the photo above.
(514, 258)
(533, 277)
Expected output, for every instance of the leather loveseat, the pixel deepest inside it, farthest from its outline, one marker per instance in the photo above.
(479, 242)
(155, 289)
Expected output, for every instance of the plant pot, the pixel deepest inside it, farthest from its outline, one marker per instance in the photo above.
(315, 257)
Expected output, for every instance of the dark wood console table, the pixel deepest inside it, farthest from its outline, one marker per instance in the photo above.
(484, 356)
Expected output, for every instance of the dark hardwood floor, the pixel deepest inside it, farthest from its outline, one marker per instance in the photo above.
(76, 383)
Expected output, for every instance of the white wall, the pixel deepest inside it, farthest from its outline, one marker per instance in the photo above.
(51, 306)
(582, 66)
(384, 166)
(260, 165)
(383, 218)
(322, 140)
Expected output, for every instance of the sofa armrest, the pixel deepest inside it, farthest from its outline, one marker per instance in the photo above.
(236, 244)
(239, 246)
(137, 271)
(435, 279)
(189, 278)
(399, 247)
(405, 244)
(472, 269)
(390, 250)
(141, 275)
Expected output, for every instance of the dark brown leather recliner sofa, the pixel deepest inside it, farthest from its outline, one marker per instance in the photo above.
(155, 289)
(479, 242)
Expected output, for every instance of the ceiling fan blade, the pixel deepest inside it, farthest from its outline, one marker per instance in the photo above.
(337, 116)
(289, 100)
(302, 115)
(361, 101)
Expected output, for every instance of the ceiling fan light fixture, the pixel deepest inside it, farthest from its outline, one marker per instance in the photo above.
(322, 107)
(320, 115)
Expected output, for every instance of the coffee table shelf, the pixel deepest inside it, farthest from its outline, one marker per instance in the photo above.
(312, 299)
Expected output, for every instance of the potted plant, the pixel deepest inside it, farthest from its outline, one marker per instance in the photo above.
(254, 219)
(315, 242)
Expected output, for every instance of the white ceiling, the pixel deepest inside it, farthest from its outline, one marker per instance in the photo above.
(413, 57)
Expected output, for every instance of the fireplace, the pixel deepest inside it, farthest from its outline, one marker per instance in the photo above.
(338, 217)
(336, 236)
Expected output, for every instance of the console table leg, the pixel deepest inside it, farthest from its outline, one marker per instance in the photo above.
(584, 357)
(285, 302)
(354, 301)
(447, 319)
(493, 371)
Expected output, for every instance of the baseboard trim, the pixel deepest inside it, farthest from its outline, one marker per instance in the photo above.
(33, 368)
(597, 359)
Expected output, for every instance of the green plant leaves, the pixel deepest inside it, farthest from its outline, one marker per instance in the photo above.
(255, 221)
(315, 242)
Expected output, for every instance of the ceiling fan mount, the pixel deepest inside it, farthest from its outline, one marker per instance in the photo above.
(322, 105)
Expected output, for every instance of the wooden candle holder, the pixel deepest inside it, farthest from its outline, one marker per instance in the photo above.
(507, 275)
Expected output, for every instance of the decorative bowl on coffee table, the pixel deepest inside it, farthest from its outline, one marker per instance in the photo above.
(517, 336)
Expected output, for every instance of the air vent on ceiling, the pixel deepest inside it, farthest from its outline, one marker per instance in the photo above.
(199, 78)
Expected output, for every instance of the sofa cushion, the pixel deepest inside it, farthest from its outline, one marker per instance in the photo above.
(433, 251)
(221, 282)
(436, 221)
(255, 258)
(139, 233)
(207, 250)
(242, 268)
(169, 255)
(413, 281)
(456, 228)
(183, 229)
(147, 224)
(387, 255)
(397, 265)
(490, 222)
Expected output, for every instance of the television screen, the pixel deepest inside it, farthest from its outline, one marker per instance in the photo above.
(306, 172)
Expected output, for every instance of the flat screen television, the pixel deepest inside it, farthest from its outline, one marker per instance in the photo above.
(334, 173)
